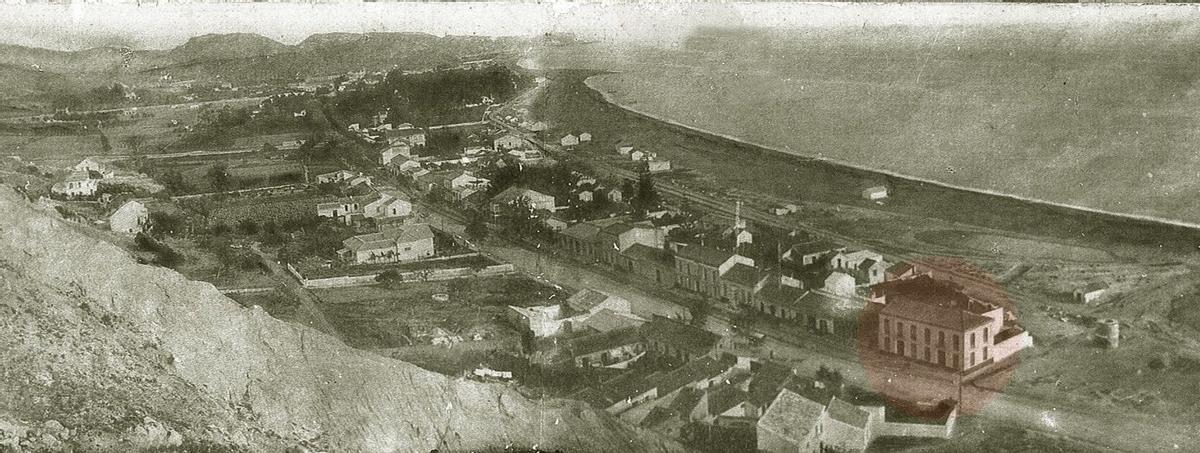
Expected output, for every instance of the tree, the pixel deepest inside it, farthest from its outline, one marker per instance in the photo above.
(645, 197)
(218, 177)
(248, 227)
(477, 228)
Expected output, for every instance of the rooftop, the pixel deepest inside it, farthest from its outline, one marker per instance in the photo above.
(704, 255)
(679, 335)
(587, 298)
(704, 367)
(847, 413)
(389, 237)
(819, 246)
(942, 316)
(791, 416)
(642, 252)
(742, 274)
(604, 341)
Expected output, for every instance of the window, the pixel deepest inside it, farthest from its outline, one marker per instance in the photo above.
(899, 328)
(955, 341)
(887, 326)
(985, 353)
(927, 339)
(986, 338)
(900, 347)
(926, 354)
(972, 358)
(941, 338)
(912, 332)
(941, 357)
(972, 341)
(912, 350)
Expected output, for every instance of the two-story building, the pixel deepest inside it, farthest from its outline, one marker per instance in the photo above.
(699, 268)
(394, 243)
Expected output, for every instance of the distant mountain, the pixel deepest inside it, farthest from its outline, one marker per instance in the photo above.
(226, 46)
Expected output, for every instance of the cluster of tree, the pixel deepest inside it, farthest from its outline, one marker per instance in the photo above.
(429, 97)
(322, 240)
(164, 255)
(220, 126)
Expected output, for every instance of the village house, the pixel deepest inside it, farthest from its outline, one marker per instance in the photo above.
(831, 309)
(677, 342)
(468, 180)
(1091, 292)
(699, 268)
(612, 349)
(650, 263)
(624, 148)
(866, 266)
(76, 184)
(345, 209)
(935, 322)
(508, 142)
(92, 165)
(398, 166)
(392, 152)
(511, 195)
(539, 126)
(585, 137)
(541, 321)
(387, 205)
(394, 243)
(657, 166)
(335, 176)
(794, 422)
(131, 218)
(569, 140)
(807, 253)
(410, 135)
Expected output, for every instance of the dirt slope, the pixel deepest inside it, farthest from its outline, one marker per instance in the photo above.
(105, 354)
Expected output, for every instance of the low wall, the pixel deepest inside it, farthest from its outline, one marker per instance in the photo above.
(422, 275)
(246, 290)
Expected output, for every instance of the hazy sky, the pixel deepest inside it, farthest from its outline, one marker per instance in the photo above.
(79, 26)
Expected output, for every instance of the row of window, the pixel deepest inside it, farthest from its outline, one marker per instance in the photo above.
(941, 334)
(911, 351)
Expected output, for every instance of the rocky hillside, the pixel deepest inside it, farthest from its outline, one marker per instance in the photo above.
(104, 354)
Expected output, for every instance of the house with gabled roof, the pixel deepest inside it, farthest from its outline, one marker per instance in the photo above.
(791, 424)
(569, 140)
(699, 268)
(78, 183)
(535, 199)
(807, 253)
(509, 141)
(394, 243)
(387, 205)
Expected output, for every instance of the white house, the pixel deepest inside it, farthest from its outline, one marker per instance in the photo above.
(394, 151)
(130, 218)
(585, 137)
(539, 126)
(658, 166)
(637, 155)
(397, 243)
(76, 184)
(624, 149)
(387, 206)
(569, 140)
(508, 141)
(1091, 293)
(335, 176)
(341, 209)
(875, 193)
(466, 179)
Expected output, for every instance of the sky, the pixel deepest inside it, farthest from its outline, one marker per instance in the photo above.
(161, 26)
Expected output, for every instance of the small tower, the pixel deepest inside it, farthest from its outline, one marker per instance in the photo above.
(740, 235)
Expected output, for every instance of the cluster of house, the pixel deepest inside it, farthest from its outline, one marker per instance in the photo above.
(397, 239)
(647, 159)
(797, 422)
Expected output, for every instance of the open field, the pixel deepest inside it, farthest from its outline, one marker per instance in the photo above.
(373, 317)
(1049, 112)
(279, 209)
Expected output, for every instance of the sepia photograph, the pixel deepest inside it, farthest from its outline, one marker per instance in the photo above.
(599, 227)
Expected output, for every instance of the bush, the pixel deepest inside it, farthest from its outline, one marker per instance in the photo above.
(164, 255)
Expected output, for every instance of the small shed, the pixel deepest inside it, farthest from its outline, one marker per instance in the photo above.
(1091, 292)
(875, 193)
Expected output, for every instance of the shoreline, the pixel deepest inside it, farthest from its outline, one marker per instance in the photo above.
(888, 173)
